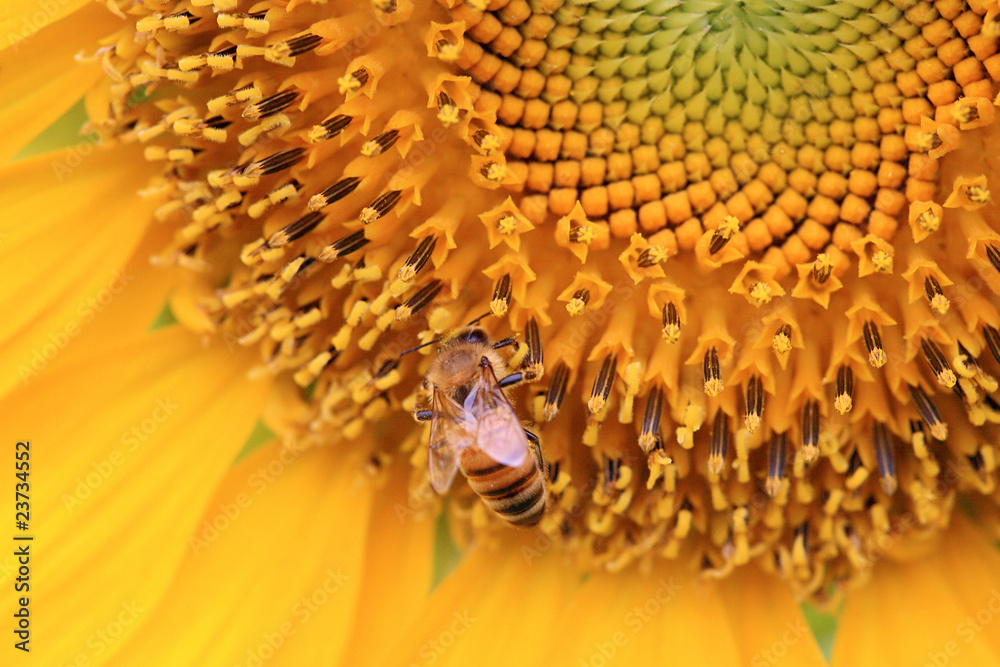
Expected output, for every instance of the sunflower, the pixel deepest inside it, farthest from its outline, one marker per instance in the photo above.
(777, 297)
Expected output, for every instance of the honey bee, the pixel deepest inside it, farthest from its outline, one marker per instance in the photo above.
(474, 428)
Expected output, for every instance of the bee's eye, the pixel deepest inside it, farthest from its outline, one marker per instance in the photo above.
(474, 336)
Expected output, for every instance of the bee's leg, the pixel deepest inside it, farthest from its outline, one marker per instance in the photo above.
(536, 448)
(509, 340)
(512, 379)
(509, 380)
(423, 415)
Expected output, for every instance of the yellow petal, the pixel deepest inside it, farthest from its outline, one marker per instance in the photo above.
(132, 311)
(41, 80)
(667, 617)
(60, 269)
(24, 19)
(279, 553)
(126, 448)
(972, 564)
(497, 608)
(768, 625)
(398, 567)
(940, 610)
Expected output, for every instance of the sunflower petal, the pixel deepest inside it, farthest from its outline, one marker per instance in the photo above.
(666, 618)
(303, 514)
(496, 608)
(972, 564)
(398, 566)
(24, 19)
(126, 448)
(41, 79)
(59, 274)
(930, 611)
(768, 624)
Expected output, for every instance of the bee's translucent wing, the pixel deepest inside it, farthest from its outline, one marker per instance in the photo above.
(452, 430)
(498, 433)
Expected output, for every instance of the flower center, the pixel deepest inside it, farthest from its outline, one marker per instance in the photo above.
(757, 331)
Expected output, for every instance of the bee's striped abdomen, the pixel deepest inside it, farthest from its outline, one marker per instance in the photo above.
(515, 493)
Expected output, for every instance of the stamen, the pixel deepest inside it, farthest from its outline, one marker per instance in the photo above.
(822, 268)
(844, 399)
(419, 300)
(782, 340)
(649, 436)
(939, 364)
(295, 230)
(417, 259)
(378, 208)
(448, 112)
(885, 456)
(329, 128)
(380, 144)
(578, 303)
(602, 385)
(296, 46)
(583, 234)
(928, 412)
(935, 296)
(533, 366)
(344, 246)
(612, 467)
(994, 255)
(556, 392)
(992, 337)
(810, 430)
(270, 105)
(775, 464)
(334, 193)
(672, 326)
(873, 341)
(272, 164)
(719, 446)
(486, 142)
(651, 256)
(754, 402)
(501, 296)
(725, 231)
(712, 373)
(494, 172)
(506, 225)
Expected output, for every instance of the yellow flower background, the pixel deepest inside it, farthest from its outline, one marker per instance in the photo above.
(750, 248)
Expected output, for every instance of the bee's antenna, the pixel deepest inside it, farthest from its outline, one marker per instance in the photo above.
(414, 349)
(488, 312)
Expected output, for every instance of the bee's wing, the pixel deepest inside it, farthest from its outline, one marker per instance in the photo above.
(499, 432)
(452, 430)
